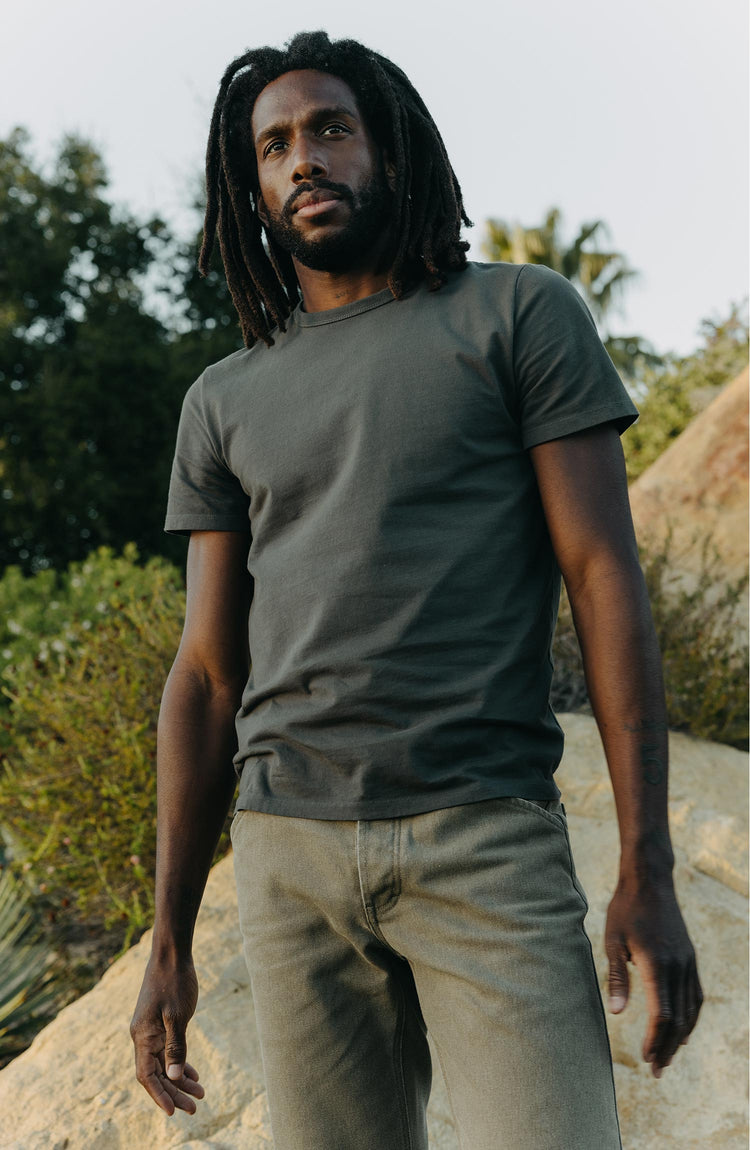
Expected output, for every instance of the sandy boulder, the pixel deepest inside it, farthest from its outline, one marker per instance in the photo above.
(74, 1088)
(698, 488)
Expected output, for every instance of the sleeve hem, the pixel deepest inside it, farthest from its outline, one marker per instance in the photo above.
(184, 524)
(622, 418)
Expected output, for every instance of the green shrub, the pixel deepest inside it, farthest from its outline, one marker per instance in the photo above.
(77, 789)
(30, 988)
(669, 395)
(45, 616)
(705, 666)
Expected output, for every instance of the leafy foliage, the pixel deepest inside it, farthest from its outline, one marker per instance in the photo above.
(77, 792)
(103, 325)
(45, 617)
(674, 393)
(30, 993)
(705, 668)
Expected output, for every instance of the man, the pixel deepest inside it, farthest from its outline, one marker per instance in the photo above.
(403, 460)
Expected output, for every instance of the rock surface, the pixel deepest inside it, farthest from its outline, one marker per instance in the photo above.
(698, 488)
(74, 1088)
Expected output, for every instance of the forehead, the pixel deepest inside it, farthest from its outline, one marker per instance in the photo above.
(295, 95)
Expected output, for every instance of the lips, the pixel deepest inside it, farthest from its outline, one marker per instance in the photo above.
(315, 203)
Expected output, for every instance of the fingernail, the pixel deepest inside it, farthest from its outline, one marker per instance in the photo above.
(173, 1070)
(616, 1003)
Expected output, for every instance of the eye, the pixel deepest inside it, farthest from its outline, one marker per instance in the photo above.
(335, 130)
(273, 146)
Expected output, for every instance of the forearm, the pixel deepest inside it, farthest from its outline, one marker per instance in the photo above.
(195, 784)
(622, 665)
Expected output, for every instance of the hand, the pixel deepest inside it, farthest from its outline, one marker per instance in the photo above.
(644, 926)
(166, 1003)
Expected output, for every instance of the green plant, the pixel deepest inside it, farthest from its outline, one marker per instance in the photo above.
(77, 793)
(29, 983)
(672, 394)
(704, 647)
(45, 617)
(704, 652)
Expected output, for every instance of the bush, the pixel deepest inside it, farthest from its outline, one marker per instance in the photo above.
(45, 617)
(30, 989)
(671, 394)
(77, 792)
(705, 666)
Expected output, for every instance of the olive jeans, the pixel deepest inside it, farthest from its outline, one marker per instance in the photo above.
(467, 921)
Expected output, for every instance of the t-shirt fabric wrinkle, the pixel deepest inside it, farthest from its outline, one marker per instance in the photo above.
(404, 585)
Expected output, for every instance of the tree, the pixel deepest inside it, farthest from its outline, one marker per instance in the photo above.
(102, 328)
(600, 275)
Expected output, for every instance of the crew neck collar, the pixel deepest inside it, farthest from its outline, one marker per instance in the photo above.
(333, 315)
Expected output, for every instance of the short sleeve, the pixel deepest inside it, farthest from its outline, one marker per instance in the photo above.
(204, 495)
(565, 380)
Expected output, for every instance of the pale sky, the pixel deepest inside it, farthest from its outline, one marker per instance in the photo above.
(633, 112)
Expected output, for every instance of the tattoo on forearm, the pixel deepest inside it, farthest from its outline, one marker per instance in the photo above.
(653, 762)
(660, 839)
(647, 725)
(653, 766)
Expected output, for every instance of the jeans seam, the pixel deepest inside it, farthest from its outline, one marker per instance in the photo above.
(368, 905)
(398, 1058)
(572, 871)
(603, 1018)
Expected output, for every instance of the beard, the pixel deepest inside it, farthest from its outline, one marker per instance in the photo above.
(343, 251)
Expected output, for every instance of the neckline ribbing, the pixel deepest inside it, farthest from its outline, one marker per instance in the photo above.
(334, 315)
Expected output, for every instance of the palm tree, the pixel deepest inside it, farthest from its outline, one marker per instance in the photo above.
(600, 275)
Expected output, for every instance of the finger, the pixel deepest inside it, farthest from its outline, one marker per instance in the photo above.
(674, 1034)
(191, 1072)
(190, 1086)
(180, 1096)
(619, 982)
(659, 1001)
(694, 1000)
(175, 1048)
(149, 1044)
(157, 1086)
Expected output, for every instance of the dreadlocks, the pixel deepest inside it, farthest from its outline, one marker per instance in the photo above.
(427, 205)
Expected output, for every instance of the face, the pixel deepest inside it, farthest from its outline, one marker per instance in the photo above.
(324, 186)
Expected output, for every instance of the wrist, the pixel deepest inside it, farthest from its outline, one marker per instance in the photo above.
(171, 949)
(648, 857)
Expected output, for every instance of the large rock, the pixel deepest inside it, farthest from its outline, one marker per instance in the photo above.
(698, 489)
(74, 1088)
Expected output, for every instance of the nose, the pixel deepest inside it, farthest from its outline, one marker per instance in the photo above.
(308, 161)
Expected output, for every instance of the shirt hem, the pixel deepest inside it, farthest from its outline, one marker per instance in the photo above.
(395, 808)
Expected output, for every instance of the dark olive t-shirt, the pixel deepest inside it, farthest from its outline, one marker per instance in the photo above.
(405, 589)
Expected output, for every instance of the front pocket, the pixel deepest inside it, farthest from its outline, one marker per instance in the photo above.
(540, 807)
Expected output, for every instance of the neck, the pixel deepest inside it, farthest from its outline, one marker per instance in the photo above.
(322, 291)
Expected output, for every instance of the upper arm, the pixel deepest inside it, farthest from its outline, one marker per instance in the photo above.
(583, 487)
(219, 591)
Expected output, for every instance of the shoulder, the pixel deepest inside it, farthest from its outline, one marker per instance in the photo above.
(227, 370)
(223, 381)
(481, 279)
(514, 285)
(523, 280)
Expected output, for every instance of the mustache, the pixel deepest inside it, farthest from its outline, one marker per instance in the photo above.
(342, 190)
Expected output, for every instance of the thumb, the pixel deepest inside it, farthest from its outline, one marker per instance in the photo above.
(619, 982)
(175, 1049)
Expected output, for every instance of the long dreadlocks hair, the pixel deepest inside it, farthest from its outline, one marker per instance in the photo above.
(427, 207)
